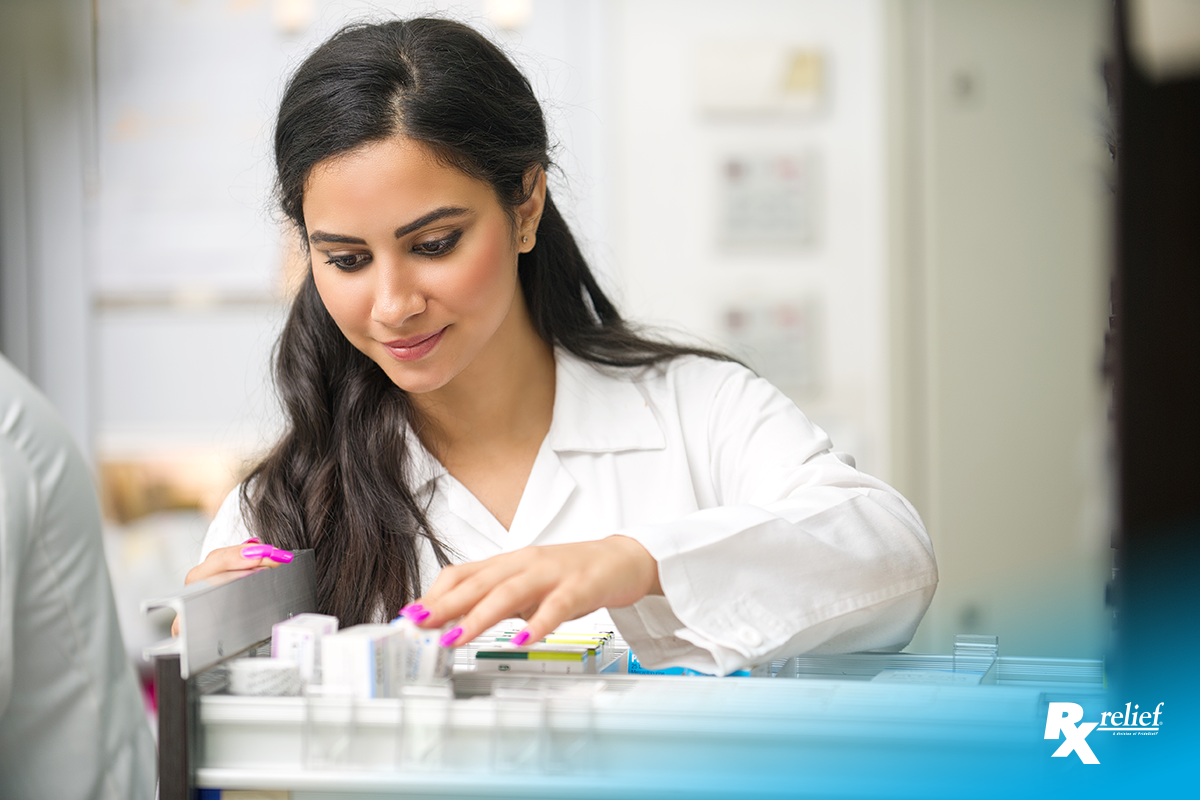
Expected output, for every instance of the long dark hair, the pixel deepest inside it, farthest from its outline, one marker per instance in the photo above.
(338, 481)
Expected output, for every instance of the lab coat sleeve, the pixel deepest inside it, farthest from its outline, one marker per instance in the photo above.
(228, 526)
(801, 552)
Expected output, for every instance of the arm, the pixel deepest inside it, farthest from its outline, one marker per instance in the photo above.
(803, 553)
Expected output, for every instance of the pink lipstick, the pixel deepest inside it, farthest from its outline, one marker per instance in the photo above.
(414, 348)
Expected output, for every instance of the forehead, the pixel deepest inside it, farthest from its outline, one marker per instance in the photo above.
(393, 180)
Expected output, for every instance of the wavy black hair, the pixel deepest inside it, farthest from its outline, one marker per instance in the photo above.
(338, 481)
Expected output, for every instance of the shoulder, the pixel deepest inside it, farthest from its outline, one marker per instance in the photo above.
(707, 386)
(42, 463)
(696, 374)
(732, 406)
(691, 384)
(32, 429)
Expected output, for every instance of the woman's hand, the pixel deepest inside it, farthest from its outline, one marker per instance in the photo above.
(545, 585)
(230, 562)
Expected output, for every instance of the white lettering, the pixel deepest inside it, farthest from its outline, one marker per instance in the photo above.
(1061, 718)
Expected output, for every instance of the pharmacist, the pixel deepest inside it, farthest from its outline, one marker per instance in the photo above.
(475, 433)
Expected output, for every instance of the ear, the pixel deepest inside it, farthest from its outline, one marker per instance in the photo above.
(529, 213)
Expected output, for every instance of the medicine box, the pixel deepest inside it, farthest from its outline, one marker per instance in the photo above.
(299, 639)
(359, 660)
(538, 658)
(421, 661)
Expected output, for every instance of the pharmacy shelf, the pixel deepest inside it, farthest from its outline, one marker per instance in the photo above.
(888, 721)
(627, 729)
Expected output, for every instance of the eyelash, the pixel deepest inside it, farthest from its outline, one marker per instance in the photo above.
(440, 247)
(349, 263)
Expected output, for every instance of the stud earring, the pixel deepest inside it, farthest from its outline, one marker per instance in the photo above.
(524, 239)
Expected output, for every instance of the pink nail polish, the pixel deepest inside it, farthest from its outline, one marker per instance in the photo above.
(257, 551)
(253, 540)
(520, 639)
(280, 556)
(411, 610)
(420, 616)
(450, 637)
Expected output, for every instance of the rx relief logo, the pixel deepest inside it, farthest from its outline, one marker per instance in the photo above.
(1065, 720)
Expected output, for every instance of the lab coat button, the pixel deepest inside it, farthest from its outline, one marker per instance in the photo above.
(750, 637)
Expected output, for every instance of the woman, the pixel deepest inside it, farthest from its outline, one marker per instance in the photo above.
(460, 392)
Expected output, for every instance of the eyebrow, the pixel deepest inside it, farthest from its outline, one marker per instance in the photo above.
(432, 216)
(317, 237)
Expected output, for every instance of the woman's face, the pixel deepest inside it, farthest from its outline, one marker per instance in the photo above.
(415, 261)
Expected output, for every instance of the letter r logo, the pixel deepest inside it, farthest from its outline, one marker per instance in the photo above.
(1061, 718)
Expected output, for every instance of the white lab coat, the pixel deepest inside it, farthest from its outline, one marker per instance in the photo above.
(768, 543)
(72, 722)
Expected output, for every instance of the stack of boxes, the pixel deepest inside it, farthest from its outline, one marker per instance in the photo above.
(377, 660)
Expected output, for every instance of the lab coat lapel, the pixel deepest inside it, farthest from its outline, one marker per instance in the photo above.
(546, 492)
(594, 412)
(467, 507)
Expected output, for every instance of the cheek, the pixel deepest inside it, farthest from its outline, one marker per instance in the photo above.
(346, 300)
(486, 279)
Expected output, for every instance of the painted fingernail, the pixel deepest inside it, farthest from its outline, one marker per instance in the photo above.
(415, 612)
(253, 540)
(521, 638)
(257, 551)
(280, 556)
(450, 637)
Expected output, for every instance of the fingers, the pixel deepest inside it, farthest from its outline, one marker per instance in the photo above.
(449, 578)
(559, 606)
(237, 558)
(517, 596)
(247, 556)
(459, 587)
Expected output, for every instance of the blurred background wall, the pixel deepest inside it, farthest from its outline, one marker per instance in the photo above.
(897, 210)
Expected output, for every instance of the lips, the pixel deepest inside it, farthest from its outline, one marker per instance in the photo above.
(413, 348)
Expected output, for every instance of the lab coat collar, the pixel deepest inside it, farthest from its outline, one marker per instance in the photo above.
(600, 410)
(596, 410)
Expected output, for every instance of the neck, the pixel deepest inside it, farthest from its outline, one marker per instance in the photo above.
(506, 394)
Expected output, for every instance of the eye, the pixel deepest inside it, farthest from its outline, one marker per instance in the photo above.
(437, 247)
(349, 263)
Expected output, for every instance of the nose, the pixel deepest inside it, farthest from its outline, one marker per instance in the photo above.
(398, 297)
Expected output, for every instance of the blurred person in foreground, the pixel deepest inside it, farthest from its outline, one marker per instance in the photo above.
(72, 723)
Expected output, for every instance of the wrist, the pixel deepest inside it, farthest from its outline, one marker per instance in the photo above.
(647, 565)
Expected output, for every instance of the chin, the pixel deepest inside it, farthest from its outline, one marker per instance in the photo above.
(414, 379)
(417, 384)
